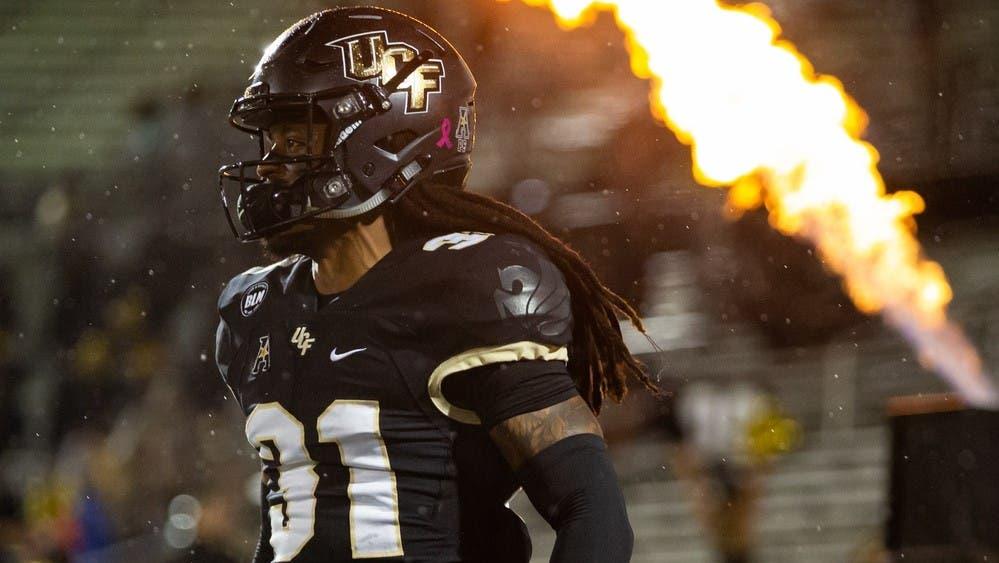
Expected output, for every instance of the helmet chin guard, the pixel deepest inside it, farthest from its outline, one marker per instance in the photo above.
(397, 100)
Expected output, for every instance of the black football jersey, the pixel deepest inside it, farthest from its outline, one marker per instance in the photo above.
(363, 456)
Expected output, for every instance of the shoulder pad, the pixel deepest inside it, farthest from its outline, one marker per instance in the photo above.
(246, 293)
(244, 300)
(504, 288)
(500, 299)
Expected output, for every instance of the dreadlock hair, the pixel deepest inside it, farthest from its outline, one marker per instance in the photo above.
(600, 364)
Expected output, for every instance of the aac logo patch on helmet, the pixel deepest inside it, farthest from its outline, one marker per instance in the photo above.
(370, 56)
(253, 297)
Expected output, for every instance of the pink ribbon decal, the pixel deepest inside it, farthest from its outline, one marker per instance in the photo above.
(445, 140)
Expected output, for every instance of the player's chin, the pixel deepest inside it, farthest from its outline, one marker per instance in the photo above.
(308, 237)
(297, 239)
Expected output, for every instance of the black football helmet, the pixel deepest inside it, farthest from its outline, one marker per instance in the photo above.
(398, 102)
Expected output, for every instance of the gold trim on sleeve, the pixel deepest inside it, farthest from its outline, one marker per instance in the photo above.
(476, 357)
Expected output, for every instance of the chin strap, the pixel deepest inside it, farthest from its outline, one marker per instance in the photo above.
(380, 197)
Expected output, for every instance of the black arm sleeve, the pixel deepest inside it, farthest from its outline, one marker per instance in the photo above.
(504, 390)
(573, 486)
(264, 552)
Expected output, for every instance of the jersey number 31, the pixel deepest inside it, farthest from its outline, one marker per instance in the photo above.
(374, 501)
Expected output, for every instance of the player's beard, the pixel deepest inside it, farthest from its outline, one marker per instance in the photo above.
(309, 238)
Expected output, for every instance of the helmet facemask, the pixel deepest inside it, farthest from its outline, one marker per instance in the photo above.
(324, 189)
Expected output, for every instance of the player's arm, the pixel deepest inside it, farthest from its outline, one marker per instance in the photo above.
(561, 460)
(513, 380)
(225, 352)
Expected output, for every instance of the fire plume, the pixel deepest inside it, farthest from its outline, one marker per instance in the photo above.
(760, 120)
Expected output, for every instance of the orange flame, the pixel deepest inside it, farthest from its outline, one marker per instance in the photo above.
(759, 119)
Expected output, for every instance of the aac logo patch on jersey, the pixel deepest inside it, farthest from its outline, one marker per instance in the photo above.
(262, 362)
(252, 298)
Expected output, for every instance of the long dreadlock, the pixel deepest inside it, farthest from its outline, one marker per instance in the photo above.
(600, 364)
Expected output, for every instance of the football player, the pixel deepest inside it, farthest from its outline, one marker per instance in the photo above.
(419, 352)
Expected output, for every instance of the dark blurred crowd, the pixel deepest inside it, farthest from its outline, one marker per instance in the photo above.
(123, 413)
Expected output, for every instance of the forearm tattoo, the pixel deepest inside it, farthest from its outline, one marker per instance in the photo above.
(522, 437)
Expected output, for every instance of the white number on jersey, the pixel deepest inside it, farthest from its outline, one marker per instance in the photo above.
(456, 241)
(374, 500)
(280, 438)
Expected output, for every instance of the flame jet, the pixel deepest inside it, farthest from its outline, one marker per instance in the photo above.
(762, 122)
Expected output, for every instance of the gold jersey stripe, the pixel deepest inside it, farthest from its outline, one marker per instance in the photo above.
(523, 350)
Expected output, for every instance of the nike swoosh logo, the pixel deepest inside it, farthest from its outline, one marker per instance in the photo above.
(334, 357)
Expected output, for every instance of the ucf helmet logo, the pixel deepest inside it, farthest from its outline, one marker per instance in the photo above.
(370, 56)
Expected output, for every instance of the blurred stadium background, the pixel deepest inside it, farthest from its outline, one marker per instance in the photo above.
(118, 441)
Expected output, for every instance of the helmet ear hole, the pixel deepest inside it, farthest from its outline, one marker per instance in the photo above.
(394, 143)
